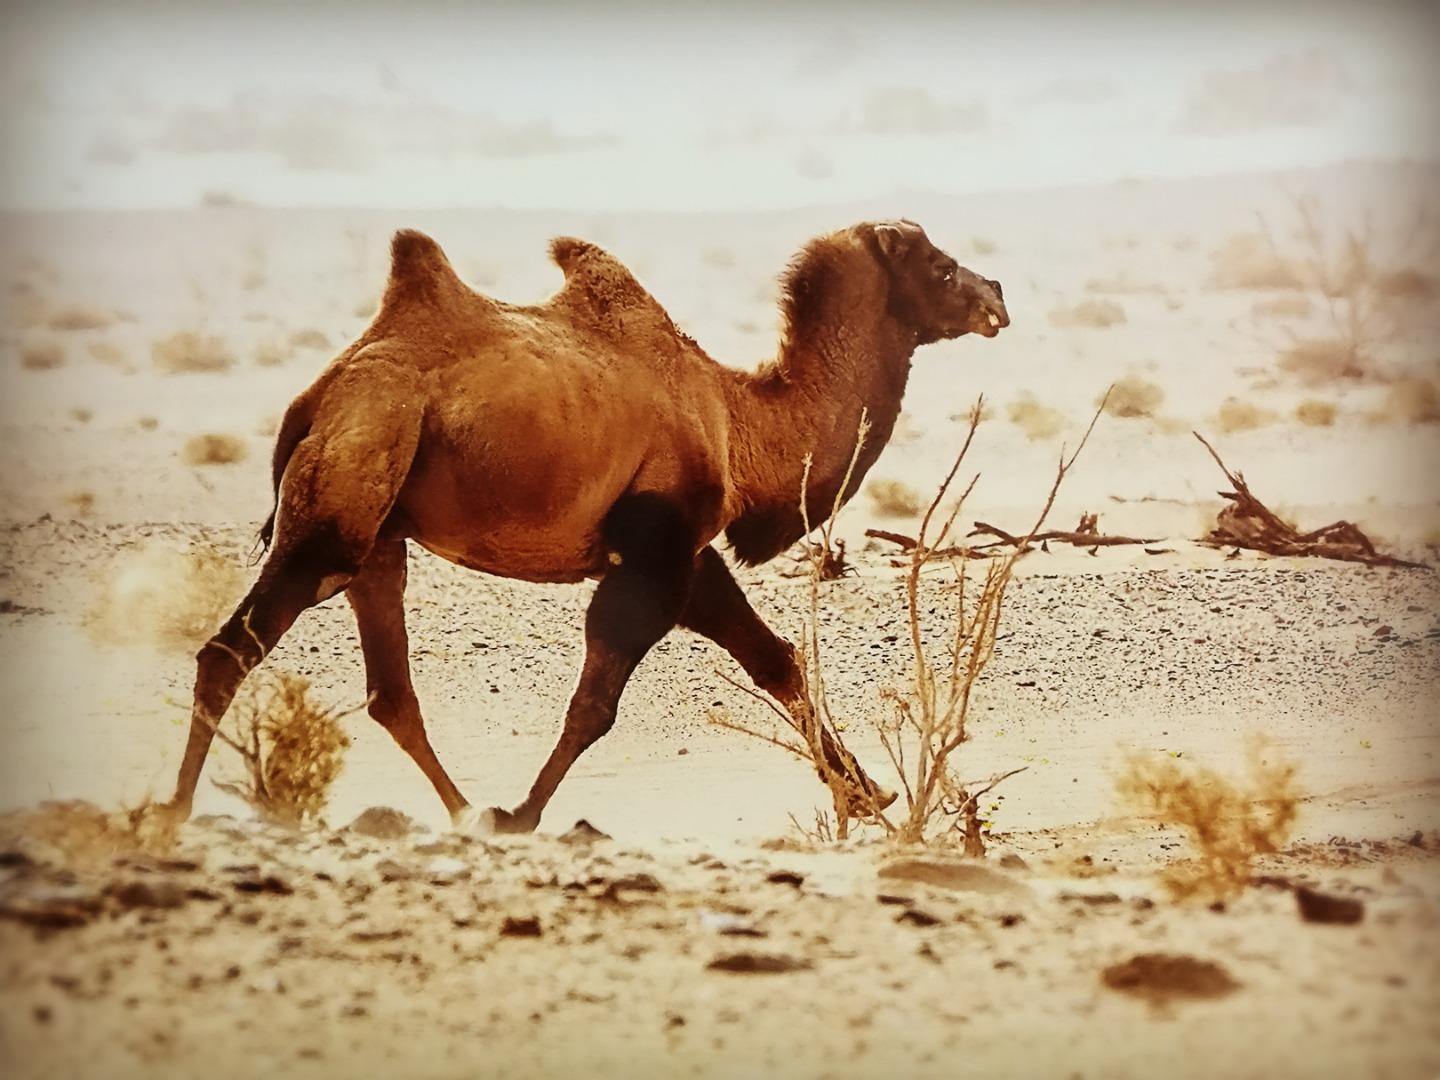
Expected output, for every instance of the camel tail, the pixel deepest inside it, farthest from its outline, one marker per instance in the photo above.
(294, 427)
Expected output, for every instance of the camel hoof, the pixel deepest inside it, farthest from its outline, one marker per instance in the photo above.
(502, 822)
(468, 821)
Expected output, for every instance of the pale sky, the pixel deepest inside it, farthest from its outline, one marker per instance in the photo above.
(688, 107)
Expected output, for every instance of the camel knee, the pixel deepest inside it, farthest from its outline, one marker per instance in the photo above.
(399, 714)
(590, 718)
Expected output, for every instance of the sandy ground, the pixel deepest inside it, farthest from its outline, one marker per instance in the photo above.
(333, 953)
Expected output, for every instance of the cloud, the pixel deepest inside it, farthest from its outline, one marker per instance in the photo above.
(1295, 89)
(1075, 90)
(912, 110)
(322, 131)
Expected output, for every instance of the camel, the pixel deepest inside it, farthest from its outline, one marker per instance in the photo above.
(586, 437)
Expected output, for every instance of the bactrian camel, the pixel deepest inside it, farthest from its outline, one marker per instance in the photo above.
(585, 437)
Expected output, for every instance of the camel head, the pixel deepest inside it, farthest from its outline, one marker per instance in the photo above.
(930, 292)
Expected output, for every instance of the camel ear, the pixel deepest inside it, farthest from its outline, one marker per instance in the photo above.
(892, 240)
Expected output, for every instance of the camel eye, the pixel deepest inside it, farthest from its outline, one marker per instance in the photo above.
(947, 275)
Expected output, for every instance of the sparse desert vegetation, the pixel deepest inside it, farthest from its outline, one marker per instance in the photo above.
(1251, 261)
(187, 352)
(41, 355)
(1229, 823)
(163, 596)
(893, 498)
(213, 449)
(81, 318)
(1313, 412)
(271, 354)
(1094, 314)
(1236, 414)
(1035, 420)
(1133, 397)
(1413, 400)
(309, 339)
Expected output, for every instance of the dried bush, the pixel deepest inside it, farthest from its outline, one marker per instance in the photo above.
(1089, 313)
(309, 339)
(106, 352)
(1413, 400)
(1236, 415)
(213, 449)
(1319, 361)
(1035, 420)
(271, 354)
(1251, 261)
(893, 498)
(187, 353)
(1133, 396)
(291, 749)
(1315, 413)
(81, 318)
(75, 832)
(928, 721)
(1295, 306)
(1229, 823)
(165, 597)
(41, 356)
(982, 245)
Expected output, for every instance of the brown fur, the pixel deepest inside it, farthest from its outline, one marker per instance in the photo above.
(583, 437)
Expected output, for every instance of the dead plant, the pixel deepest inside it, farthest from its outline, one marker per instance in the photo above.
(1229, 823)
(292, 750)
(928, 721)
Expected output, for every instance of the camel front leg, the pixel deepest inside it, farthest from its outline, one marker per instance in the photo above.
(718, 610)
(636, 604)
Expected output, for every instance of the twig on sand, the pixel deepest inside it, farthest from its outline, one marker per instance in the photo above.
(1246, 522)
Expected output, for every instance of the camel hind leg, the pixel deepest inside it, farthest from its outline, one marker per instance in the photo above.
(338, 488)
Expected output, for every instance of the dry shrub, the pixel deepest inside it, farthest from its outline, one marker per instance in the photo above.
(1229, 823)
(75, 832)
(1236, 415)
(894, 498)
(1090, 313)
(213, 449)
(106, 352)
(1251, 261)
(1295, 306)
(187, 352)
(1133, 396)
(253, 279)
(81, 415)
(1317, 361)
(1315, 413)
(1407, 283)
(292, 750)
(309, 339)
(1035, 420)
(721, 258)
(81, 503)
(41, 356)
(161, 596)
(928, 721)
(81, 318)
(271, 354)
(1123, 285)
(148, 423)
(1413, 400)
(982, 245)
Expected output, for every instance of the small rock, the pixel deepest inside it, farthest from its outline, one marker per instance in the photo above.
(161, 894)
(749, 963)
(520, 926)
(384, 823)
(917, 917)
(582, 832)
(954, 874)
(57, 907)
(447, 868)
(642, 882)
(1162, 977)
(268, 883)
(390, 870)
(1008, 860)
(1318, 907)
(785, 877)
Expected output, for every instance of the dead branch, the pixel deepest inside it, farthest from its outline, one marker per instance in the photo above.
(1086, 534)
(1246, 522)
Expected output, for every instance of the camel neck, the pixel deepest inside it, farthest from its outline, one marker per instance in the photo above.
(809, 402)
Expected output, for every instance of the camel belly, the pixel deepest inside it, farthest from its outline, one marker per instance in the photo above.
(522, 457)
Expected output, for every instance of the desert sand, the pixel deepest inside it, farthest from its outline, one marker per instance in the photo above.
(703, 933)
